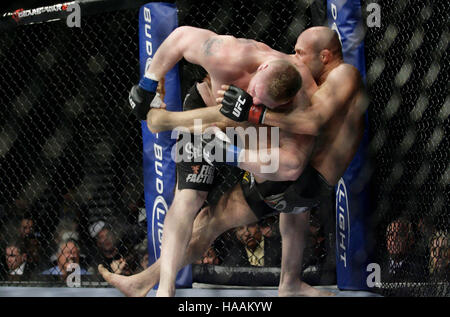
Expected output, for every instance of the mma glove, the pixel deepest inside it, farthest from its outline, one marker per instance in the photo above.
(141, 97)
(217, 149)
(238, 105)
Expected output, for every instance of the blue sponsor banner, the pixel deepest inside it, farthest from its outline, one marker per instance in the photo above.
(156, 21)
(353, 210)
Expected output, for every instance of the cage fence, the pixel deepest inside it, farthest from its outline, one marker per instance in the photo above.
(71, 152)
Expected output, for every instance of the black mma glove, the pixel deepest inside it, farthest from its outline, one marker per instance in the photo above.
(238, 105)
(141, 96)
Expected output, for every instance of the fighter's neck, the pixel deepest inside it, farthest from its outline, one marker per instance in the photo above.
(327, 70)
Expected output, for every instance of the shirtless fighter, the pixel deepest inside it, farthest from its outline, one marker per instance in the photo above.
(341, 122)
(335, 117)
(272, 79)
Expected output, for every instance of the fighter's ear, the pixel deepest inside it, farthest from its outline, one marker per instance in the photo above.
(325, 56)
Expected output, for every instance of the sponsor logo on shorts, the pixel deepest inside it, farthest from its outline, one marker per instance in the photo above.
(203, 174)
(260, 143)
(192, 152)
(276, 202)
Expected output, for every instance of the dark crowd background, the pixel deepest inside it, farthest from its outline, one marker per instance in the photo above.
(71, 187)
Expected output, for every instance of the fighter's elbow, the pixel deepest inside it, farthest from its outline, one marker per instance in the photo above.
(152, 125)
(181, 31)
(152, 128)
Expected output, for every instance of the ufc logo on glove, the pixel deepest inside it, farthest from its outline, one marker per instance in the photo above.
(238, 107)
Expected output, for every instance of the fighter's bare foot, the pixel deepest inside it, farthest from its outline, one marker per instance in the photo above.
(130, 286)
(302, 289)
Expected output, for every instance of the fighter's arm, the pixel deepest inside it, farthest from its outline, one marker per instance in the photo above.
(159, 120)
(327, 101)
(185, 42)
(283, 163)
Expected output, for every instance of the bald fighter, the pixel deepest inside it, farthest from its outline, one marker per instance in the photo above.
(336, 118)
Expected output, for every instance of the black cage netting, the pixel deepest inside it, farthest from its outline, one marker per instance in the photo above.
(71, 152)
(407, 79)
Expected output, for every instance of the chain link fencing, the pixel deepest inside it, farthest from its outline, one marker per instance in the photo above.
(71, 152)
(407, 79)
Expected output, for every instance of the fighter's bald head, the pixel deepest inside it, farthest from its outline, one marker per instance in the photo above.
(320, 38)
(319, 48)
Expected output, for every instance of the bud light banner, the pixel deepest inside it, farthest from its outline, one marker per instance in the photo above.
(156, 22)
(352, 206)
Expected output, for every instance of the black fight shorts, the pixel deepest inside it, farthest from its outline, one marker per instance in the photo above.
(192, 171)
(270, 198)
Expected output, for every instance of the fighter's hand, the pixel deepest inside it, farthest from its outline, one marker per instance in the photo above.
(238, 105)
(142, 96)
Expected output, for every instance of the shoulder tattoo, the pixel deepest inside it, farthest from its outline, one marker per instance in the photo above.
(211, 45)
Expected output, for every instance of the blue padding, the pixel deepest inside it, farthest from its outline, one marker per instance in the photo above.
(156, 21)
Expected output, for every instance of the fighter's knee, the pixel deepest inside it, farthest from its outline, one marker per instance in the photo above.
(294, 169)
(201, 195)
(189, 197)
(292, 173)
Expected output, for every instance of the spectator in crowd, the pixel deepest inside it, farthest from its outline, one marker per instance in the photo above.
(403, 262)
(141, 251)
(440, 255)
(117, 245)
(29, 237)
(69, 253)
(209, 257)
(142, 259)
(252, 248)
(127, 264)
(16, 261)
(270, 226)
(106, 242)
(26, 227)
(143, 262)
(67, 229)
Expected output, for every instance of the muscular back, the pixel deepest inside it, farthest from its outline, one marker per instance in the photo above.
(231, 60)
(340, 137)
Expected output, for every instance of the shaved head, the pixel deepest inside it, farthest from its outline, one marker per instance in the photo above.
(319, 48)
(322, 37)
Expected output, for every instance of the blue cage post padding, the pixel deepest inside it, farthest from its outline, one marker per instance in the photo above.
(353, 211)
(156, 21)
